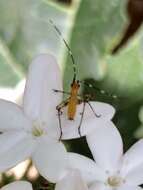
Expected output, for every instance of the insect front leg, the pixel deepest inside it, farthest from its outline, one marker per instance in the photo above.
(59, 109)
(62, 104)
(61, 91)
(87, 98)
(97, 115)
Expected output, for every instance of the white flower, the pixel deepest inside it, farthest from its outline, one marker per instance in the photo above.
(111, 169)
(31, 131)
(89, 122)
(18, 185)
(72, 181)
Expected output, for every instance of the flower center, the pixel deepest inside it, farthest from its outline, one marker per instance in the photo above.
(37, 130)
(115, 181)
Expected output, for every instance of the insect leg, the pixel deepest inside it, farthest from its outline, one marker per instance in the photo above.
(58, 108)
(81, 119)
(60, 125)
(62, 104)
(60, 91)
(93, 110)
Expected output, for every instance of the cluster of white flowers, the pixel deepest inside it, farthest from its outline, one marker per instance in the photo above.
(32, 131)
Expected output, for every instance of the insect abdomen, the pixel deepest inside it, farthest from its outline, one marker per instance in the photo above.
(72, 108)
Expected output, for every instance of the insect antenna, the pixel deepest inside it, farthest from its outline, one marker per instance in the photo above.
(67, 46)
(99, 90)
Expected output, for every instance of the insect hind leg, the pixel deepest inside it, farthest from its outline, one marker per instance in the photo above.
(60, 125)
(81, 119)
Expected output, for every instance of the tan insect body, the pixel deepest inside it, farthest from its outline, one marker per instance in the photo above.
(73, 100)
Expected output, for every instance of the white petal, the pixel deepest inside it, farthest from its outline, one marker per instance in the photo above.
(18, 185)
(133, 163)
(135, 176)
(99, 186)
(15, 147)
(105, 110)
(72, 181)
(40, 100)
(89, 121)
(88, 168)
(127, 187)
(50, 159)
(12, 117)
(106, 146)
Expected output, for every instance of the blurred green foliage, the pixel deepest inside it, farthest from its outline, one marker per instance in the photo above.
(92, 28)
(98, 26)
(25, 32)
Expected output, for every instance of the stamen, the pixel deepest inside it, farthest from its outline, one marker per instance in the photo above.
(115, 181)
(37, 131)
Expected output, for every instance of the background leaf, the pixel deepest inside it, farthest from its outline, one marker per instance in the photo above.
(97, 28)
(25, 32)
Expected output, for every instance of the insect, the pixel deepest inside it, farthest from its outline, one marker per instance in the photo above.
(74, 98)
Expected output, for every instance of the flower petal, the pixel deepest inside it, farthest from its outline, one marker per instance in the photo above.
(15, 147)
(18, 185)
(106, 146)
(135, 176)
(133, 164)
(88, 168)
(50, 159)
(12, 117)
(72, 181)
(106, 111)
(99, 186)
(89, 121)
(40, 100)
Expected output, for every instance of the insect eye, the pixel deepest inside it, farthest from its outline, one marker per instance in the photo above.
(71, 84)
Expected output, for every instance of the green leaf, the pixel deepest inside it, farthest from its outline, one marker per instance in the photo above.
(139, 132)
(25, 32)
(9, 19)
(96, 25)
(96, 29)
(34, 33)
(10, 73)
(124, 72)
